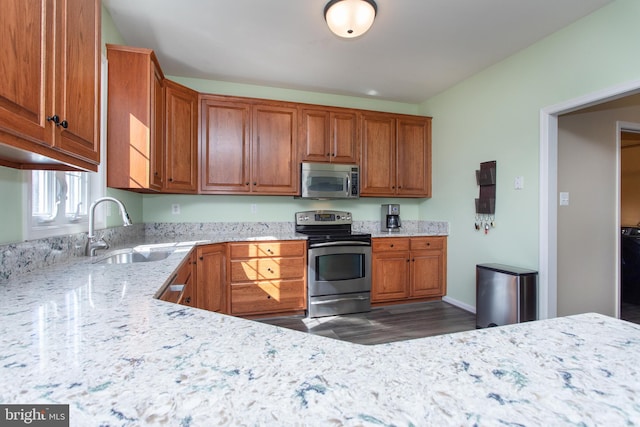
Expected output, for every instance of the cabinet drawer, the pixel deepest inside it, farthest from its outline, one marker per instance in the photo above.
(268, 297)
(390, 244)
(267, 249)
(418, 243)
(267, 269)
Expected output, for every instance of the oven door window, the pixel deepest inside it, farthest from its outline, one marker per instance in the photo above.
(336, 267)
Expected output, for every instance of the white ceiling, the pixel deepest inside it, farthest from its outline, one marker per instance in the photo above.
(415, 49)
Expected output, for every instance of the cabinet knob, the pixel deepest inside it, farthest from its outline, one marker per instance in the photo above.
(269, 270)
(201, 258)
(55, 119)
(255, 183)
(328, 154)
(63, 123)
(246, 183)
(187, 300)
(391, 245)
(428, 244)
(170, 179)
(268, 296)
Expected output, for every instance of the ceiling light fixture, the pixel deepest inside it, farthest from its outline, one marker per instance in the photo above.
(350, 18)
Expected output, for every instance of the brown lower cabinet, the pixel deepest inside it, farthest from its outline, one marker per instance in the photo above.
(211, 277)
(408, 268)
(267, 277)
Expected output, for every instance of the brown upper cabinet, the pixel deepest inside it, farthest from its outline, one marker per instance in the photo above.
(135, 119)
(181, 138)
(49, 91)
(396, 155)
(248, 146)
(152, 125)
(329, 135)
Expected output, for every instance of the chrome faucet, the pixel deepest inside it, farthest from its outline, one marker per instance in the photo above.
(94, 242)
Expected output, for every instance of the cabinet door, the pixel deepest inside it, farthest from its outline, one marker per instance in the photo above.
(329, 136)
(181, 114)
(157, 178)
(77, 78)
(26, 89)
(427, 274)
(378, 172)
(414, 157)
(390, 276)
(344, 137)
(273, 163)
(211, 278)
(135, 119)
(225, 147)
(314, 136)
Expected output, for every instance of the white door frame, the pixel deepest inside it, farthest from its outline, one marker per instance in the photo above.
(548, 236)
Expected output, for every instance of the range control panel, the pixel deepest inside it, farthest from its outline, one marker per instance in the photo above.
(323, 217)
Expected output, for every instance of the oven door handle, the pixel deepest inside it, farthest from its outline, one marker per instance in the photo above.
(339, 243)
(331, 301)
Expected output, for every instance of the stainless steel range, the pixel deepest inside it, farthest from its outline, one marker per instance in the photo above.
(339, 264)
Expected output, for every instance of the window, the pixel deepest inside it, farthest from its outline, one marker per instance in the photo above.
(59, 202)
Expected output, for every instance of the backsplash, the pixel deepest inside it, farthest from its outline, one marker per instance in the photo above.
(24, 257)
(20, 258)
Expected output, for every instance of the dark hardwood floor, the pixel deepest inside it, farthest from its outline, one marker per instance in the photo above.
(385, 324)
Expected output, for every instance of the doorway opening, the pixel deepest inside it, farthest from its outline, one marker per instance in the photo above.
(548, 226)
(629, 145)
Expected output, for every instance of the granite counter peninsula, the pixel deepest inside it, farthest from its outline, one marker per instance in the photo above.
(92, 336)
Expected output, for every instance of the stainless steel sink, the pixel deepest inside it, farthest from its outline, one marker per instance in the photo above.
(129, 256)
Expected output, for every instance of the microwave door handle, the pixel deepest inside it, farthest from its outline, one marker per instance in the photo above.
(348, 189)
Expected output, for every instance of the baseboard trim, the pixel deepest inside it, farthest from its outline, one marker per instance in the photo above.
(460, 304)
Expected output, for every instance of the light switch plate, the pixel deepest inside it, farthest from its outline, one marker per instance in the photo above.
(564, 198)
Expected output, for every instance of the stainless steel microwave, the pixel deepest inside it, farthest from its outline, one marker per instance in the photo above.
(329, 181)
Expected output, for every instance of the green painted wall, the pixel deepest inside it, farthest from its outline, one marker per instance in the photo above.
(11, 216)
(157, 208)
(495, 115)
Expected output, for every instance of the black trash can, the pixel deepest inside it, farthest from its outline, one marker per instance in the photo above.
(505, 295)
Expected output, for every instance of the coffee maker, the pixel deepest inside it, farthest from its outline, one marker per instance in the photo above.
(390, 218)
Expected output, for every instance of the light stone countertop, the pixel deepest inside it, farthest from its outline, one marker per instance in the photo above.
(92, 336)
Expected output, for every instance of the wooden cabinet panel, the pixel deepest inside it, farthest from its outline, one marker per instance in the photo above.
(436, 242)
(266, 269)
(328, 135)
(273, 162)
(211, 281)
(268, 297)
(248, 148)
(267, 277)
(390, 276)
(187, 277)
(414, 157)
(427, 274)
(396, 155)
(225, 147)
(406, 269)
(267, 249)
(49, 93)
(181, 139)
(390, 244)
(377, 174)
(77, 78)
(135, 125)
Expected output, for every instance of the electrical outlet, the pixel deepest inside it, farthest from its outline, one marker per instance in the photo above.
(175, 209)
(518, 183)
(254, 208)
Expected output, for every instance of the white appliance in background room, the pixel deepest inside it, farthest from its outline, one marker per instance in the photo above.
(338, 266)
(390, 218)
